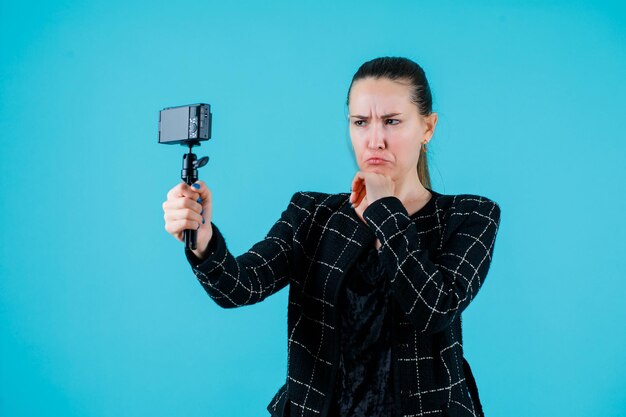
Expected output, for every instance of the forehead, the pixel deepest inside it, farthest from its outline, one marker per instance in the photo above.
(380, 95)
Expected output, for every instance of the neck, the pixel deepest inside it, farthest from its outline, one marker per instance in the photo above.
(410, 189)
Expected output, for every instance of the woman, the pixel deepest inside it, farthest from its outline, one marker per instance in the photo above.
(378, 277)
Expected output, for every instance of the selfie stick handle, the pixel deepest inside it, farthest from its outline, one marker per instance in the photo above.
(189, 175)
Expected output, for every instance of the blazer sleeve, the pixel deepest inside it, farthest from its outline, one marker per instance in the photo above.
(433, 291)
(253, 276)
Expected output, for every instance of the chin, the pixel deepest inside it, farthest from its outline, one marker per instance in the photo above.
(379, 169)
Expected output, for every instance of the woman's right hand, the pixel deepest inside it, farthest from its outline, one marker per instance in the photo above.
(188, 207)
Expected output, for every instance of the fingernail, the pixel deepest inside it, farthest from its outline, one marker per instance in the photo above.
(199, 200)
(202, 211)
(196, 186)
(203, 220)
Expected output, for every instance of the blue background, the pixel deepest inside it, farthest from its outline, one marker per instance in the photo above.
(100, 314)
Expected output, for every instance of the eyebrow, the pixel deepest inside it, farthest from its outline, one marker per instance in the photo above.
(384, 116)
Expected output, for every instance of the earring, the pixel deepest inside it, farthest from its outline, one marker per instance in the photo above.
(424, 147)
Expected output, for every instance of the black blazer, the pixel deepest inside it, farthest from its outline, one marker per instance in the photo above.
(436, 260)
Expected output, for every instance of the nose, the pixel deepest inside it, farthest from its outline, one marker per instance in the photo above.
(377, 137)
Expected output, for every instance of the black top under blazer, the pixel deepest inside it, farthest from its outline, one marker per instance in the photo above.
(436, 261)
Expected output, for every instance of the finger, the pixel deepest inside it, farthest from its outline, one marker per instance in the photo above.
(191, 192)
(179, 190)
(183, 214)
(358, 177)
(188, 214)
(357, 184)
(182, 203)
(203, 190)
(178, 226)
(198, 192)
(182, 195)
(359, 188)
(353, 194)
(174, 192)
(360, 196)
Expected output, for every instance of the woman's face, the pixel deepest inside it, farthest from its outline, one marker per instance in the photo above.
(385, 124)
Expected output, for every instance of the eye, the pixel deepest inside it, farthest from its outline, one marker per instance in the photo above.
(392, 120)
(358, 122)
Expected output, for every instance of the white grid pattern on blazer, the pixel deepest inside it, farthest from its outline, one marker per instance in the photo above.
(436, 259)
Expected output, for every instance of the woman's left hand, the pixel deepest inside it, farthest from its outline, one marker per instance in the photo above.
(368, 187)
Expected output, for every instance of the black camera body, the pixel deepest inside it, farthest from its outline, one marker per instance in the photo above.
(185, 125)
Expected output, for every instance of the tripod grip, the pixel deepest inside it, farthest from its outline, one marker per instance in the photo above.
(189, 175)
(190, 238)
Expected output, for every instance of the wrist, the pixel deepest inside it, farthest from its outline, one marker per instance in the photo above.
(203, 250)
